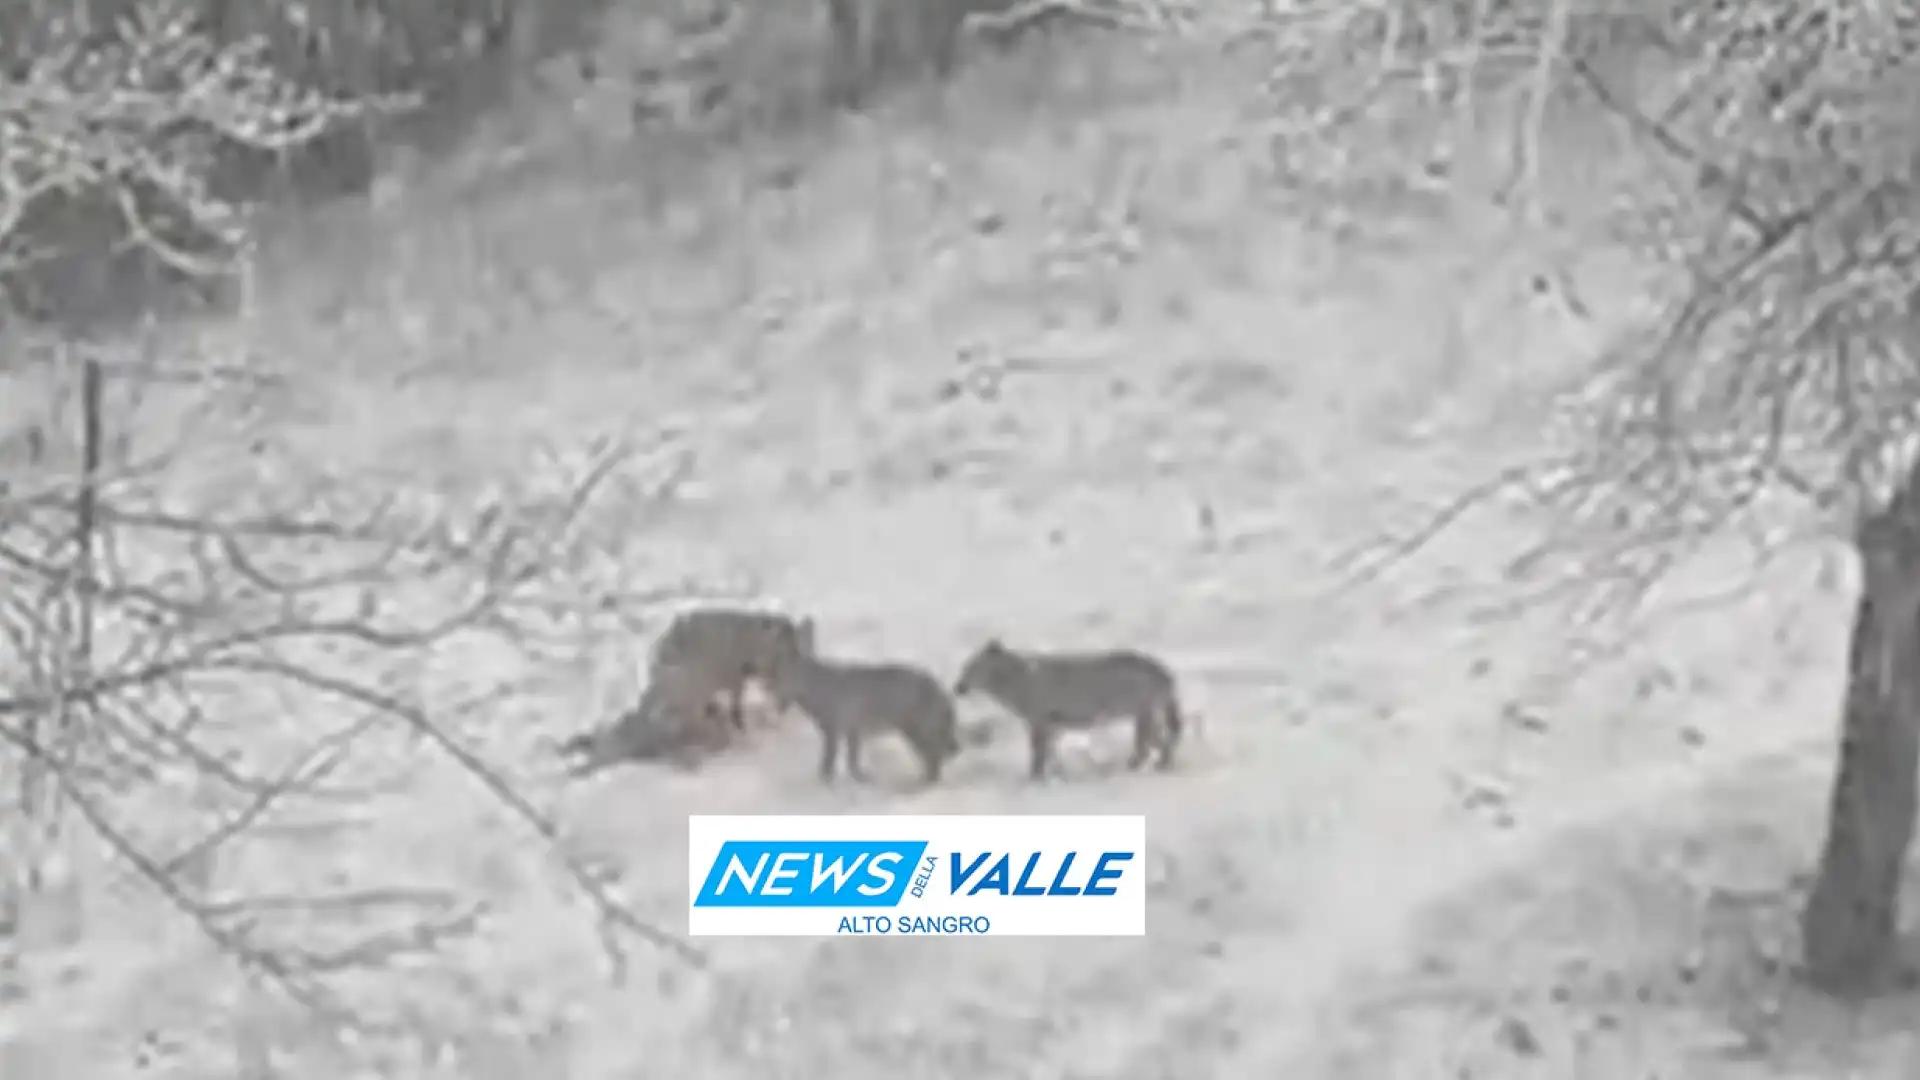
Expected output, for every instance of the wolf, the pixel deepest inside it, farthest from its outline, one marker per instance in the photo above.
(849, 702)
(722, 649)
(1052, 692)
(672, 723)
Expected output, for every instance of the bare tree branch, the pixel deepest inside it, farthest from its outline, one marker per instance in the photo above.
(1781, 374)
(303, 600)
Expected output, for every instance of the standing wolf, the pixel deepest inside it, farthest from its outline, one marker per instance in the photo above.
(852, 701)
(1052, 692)
(722, 649)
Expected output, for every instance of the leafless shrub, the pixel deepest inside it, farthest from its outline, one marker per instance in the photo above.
(151, 629)
(200, 614)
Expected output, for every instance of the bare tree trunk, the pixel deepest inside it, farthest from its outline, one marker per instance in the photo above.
(1850, 928)
(847, 55)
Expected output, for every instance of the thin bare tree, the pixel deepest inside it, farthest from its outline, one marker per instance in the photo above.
(1774, 394)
